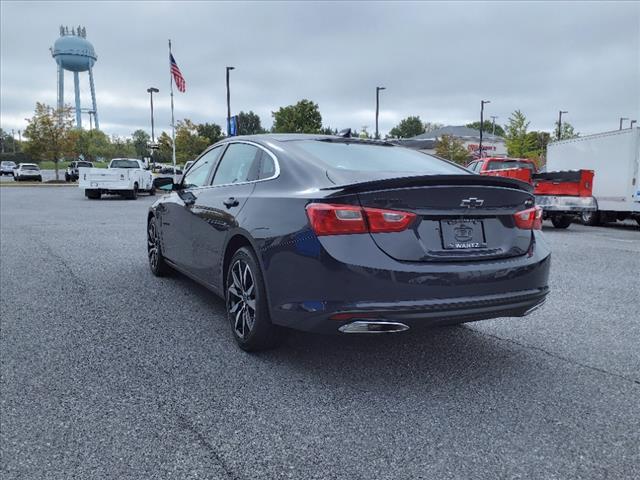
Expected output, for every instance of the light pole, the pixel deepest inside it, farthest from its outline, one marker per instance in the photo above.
(560, 113)
(632, 122)
(229, 102)
(151, 91)
(482, 103)
(13, 140)
(378, 108)
(20, 139)
(621, 120)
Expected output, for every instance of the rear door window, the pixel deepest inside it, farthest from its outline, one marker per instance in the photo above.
(240, 163)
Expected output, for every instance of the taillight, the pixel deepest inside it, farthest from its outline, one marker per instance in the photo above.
(530, 219)
(334, 219)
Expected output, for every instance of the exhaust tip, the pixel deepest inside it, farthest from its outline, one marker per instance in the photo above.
(365, 326)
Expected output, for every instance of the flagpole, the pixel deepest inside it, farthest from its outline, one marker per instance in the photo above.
(173, 125)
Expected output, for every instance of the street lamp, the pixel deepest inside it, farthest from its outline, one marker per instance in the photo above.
(621, 120)
(151, 91)
(229, 103)
(482, 103)
(378, 107)
(560, 113)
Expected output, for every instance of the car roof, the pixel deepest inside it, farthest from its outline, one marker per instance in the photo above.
(288, 137)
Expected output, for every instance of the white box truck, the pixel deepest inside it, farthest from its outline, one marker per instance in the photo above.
(615, 159)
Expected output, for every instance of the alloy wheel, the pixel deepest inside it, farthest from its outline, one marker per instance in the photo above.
(241, 298)
(152, 245)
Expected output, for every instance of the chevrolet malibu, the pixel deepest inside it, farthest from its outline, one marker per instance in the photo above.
(335, 234)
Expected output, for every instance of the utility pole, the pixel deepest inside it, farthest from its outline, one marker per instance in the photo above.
(493, 129)
(229, 102)
(20, 139)
(482, 103)
(621, 120)
(13, 140)
(378, 108)
(560, 113)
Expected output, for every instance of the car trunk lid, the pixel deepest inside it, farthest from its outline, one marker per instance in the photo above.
(462, 218)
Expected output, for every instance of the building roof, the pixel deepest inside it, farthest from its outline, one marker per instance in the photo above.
(459, 131)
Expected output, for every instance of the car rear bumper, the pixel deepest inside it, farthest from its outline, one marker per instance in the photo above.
(427, 313)
(554, 203)
(320, 292)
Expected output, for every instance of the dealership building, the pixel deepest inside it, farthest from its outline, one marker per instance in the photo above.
(426, 142)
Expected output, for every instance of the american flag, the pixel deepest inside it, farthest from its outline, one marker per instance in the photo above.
(177, 75)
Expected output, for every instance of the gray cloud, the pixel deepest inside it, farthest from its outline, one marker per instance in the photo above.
(437, 60)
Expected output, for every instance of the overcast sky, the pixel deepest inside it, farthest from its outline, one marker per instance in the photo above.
(437, 60)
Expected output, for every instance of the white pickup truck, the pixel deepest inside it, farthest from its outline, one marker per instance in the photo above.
(124, 176)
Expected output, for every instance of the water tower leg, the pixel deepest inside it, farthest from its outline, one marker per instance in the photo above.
(93, 98)
(76, 84)
(60, 87)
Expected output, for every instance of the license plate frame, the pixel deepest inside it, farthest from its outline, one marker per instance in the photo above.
(463, 234)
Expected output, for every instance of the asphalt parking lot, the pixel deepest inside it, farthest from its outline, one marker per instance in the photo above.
(109, 372)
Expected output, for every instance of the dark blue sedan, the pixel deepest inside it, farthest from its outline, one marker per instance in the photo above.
(333, 234)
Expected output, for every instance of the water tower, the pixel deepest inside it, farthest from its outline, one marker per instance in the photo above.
(73, 52)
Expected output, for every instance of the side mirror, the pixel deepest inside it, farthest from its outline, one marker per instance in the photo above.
(164, 183)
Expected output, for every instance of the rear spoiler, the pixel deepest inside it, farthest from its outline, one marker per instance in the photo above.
(428, 180)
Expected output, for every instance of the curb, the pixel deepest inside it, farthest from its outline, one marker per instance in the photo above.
(35, 184)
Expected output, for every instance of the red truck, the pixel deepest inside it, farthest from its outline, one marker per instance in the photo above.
(562, 195)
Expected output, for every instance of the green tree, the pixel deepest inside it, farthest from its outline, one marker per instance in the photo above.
(517, 141)
(188, 143)
(452, 149)
(407, 128)
(249, 123)
(487, 127)
(211, 131)
(165, 152)
(7, 142)
(303, 117)
(49, 134)
(126, 148)
(92, 144)
(140, 140)
(566, 133)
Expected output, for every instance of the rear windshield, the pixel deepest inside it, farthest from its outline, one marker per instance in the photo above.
(83, 164)
(29, 167)
(376, 160)
(8, 164)
(124, 164)
(502, 164)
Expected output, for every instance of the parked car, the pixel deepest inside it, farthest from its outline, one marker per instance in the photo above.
(27, 171)
(71, 175)
(6, 167)
(168, 170)
(124, 176)
(334, 234)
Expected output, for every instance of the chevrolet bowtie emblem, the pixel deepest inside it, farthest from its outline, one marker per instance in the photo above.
(472, 202)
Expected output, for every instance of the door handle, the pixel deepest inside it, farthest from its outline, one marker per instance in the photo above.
(231, 202)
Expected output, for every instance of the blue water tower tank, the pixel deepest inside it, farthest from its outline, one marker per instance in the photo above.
(74, 53)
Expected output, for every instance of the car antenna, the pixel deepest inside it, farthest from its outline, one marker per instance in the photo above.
(346, 133)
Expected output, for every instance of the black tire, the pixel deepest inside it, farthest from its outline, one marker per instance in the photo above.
(67, 178)
(251, 326)
(93, 194)
(157, 263)
(152, 192)
(39, 179)
(133, 194)
(591, 218)
(561, 221)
